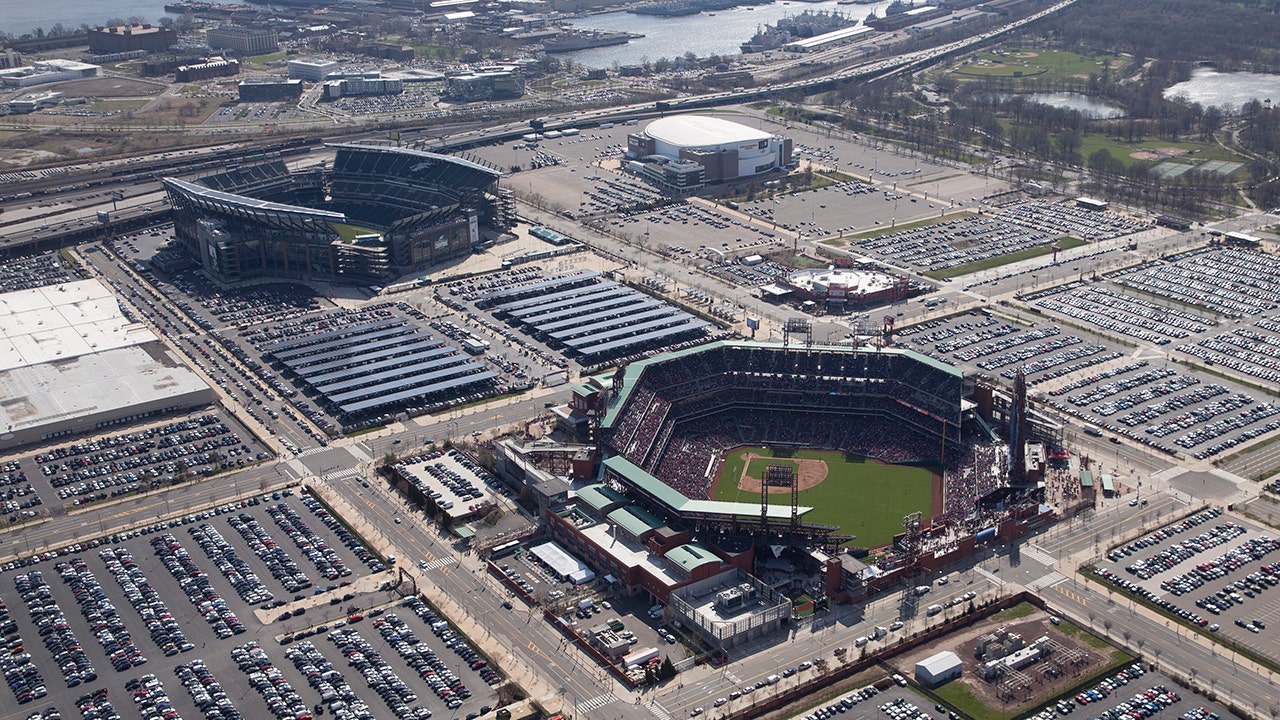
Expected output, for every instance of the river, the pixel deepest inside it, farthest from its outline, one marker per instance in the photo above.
(718, 33)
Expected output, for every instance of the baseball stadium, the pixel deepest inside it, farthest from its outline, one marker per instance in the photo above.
(821, 444)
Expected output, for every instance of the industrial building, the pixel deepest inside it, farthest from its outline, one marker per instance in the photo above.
(124, 38)
(311, 70)
(48, 71)
(938, 669)
(725, 150)
(243, 41)
(71, 363)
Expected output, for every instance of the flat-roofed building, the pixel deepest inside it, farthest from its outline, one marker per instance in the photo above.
(123, 38)
(70, 363)
(243, 41)
(311, 70)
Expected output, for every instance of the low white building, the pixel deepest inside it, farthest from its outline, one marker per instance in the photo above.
(48, 71)
(937, 669)
(311, 70)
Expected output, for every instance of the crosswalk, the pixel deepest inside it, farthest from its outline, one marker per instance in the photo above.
(1034, 552)
(1049, 580)
(438, 563)
(990, 576)
(312, 451)
(597, 702)
(733, 679)
(339, 475)
(658, 711)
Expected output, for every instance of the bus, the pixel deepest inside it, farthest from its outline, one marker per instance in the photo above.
(503, 550)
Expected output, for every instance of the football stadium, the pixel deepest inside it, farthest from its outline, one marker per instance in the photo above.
(377, 213)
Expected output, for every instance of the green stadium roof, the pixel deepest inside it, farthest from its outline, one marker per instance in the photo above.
(678, 503)
(635, 520)
(600, 495)
(691, 556)
(632, 372)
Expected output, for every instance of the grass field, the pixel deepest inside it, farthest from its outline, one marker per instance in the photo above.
(863, 497)
(1037, 62)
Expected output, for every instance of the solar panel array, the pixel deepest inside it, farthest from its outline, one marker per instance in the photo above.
(378, 364)
(592, 317)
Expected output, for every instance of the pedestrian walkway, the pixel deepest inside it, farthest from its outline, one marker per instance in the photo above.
(658, 711)
(992, 577)
(439, 563)
(1039, 555)
(1047, 581)
(597, 702)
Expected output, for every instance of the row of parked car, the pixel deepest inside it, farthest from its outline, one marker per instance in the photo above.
(165, 631)
(419, 656)
(281, 698)
(335, 692)
(1152, 597)
(1110, 684)
(20, 673)
(1184, 550)
(378, 675)
(60, 640)
(1156, 537)
(233, 567)
(206, 692)
(150, 699)
(279, 564)
(453, 642)
(325, 558)
(97, 706)
(366, 556)
(105, 623)
(195, 583)
(1230, 561)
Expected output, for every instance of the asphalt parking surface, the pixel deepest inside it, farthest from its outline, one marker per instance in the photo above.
(1221, 556)
(355, 592)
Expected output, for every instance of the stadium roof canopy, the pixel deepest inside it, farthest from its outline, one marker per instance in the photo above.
(702, 131)
(632, 372)
(677, 503)
(691, 556)
(437, 157)
(264, 209)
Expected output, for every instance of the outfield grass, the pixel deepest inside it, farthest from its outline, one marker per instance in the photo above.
(862, 497)
(1196, 151)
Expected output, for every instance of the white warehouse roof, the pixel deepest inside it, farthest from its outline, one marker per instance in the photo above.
(60, 322)
(695, 131)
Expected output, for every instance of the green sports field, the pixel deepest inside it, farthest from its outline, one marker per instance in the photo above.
(863, 497)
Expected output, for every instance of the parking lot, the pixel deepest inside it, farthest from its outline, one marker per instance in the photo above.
(1096, 379)
(1214, 571)
(102, 617)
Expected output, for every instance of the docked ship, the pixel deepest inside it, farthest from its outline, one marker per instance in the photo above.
(205, 9)
(796, 27)
(572, 42)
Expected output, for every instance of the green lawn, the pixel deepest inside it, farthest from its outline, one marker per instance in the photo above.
(1066, 243)
(1036, 62)
(1120, 150)
(862, 497)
